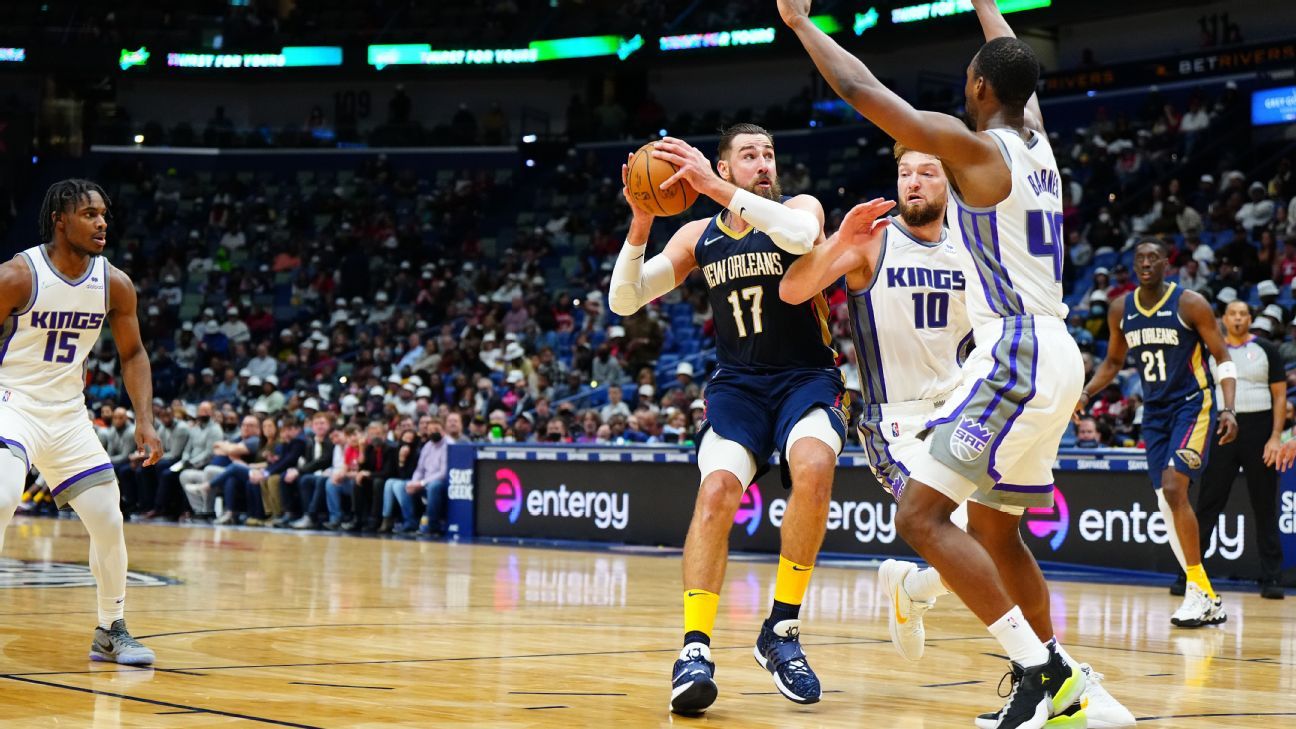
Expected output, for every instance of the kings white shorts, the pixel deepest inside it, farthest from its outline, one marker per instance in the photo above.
(58, 439)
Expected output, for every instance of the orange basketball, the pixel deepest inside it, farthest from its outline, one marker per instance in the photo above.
(643, 180)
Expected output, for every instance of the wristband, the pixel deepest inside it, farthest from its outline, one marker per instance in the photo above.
(1226, 371)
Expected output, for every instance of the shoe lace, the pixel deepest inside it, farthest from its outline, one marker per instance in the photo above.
(1014, 679)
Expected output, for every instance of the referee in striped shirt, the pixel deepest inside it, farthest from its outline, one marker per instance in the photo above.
(1261, 403)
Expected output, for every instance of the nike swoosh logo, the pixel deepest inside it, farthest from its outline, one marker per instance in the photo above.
(712, 240)
(695, 594)
(637, 257)
(741, 211)
(1131, 317)
(801, 569)
(895, 597)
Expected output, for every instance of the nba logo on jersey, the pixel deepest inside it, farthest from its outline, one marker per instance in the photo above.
(969, 439)
(895, 429)
(5, 396)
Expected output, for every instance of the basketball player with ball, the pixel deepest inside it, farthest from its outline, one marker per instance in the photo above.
(775, 388)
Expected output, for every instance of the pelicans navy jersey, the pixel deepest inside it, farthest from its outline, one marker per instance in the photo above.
(43, 348)
(1169, 355)
(755, 329)
(775, 363)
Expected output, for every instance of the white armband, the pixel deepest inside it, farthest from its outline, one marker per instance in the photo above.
(635, 282)
(795, 231)
(1226, 371)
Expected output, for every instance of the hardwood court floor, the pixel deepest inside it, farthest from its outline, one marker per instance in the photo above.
(286, 629)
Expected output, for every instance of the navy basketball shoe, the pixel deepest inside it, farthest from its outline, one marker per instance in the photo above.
(693, 687)
(778, 650)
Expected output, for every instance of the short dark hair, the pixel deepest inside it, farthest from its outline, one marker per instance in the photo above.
(1151, 241)
(728, 135)
(63, 197)
(1011, 69)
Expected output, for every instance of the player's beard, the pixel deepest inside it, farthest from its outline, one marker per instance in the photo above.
(920, 214)
(773, 192)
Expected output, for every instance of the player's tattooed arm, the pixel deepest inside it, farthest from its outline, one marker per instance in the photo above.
(1197, 313)
(124, 320)
(851, 251)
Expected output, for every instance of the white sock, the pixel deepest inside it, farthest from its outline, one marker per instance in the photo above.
(1168, 515)
(13, 476)
(924, 585)
(1018, 640)
(100, 511)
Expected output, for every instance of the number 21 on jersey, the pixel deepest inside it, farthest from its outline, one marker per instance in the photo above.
(1154, 366)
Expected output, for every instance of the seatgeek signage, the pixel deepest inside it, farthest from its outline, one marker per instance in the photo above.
(1103, 516)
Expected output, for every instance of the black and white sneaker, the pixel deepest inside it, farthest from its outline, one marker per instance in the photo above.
(1198, 609)
(778, 650)
(693, 687)
(1038, 695)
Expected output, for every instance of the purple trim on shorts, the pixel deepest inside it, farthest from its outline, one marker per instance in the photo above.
(1021, 406)
(79, 476)
(19, 446)
(958, 411)
(1023, 489)
(1007, 387)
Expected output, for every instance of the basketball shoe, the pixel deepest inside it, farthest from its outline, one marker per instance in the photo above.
(778, 650)
(693, 687)
(1198, 609)
(115, 645)
(1036, 694)
(1096, 709)
(906, 614)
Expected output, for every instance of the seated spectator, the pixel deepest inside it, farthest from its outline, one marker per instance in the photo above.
(303, 484)
(347, 447)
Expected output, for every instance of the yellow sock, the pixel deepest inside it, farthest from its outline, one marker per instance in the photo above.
(1197, 575)
(700, 609)
(792, 581)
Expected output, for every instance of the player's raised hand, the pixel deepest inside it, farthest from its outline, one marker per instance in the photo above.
(693, 166)
(790, 10)
(149, 446)
(640, 215)
(1228, 428)
(865, 222)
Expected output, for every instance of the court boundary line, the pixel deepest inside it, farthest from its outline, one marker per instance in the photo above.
(156, 702)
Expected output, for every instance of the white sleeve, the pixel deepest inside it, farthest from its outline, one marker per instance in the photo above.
(795, 231)
(635, 283)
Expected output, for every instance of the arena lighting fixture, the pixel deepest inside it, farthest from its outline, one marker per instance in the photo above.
(287, 57)
(13, 55)
(130, 59)
(139, 138)
(945, 8)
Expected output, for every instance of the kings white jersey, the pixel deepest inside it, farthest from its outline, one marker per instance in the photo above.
(910, 325)
(1013, 251)
(43, 346)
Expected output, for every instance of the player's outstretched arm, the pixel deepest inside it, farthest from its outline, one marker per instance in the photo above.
(636, 281)
(994, 26)
(1196, 313)
(1117, 348)
(136, 371)
(795, 226)
(938, 134)
(15, 287)
(853, 248)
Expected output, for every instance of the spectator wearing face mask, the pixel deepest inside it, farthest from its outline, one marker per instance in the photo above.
(1087, 434)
